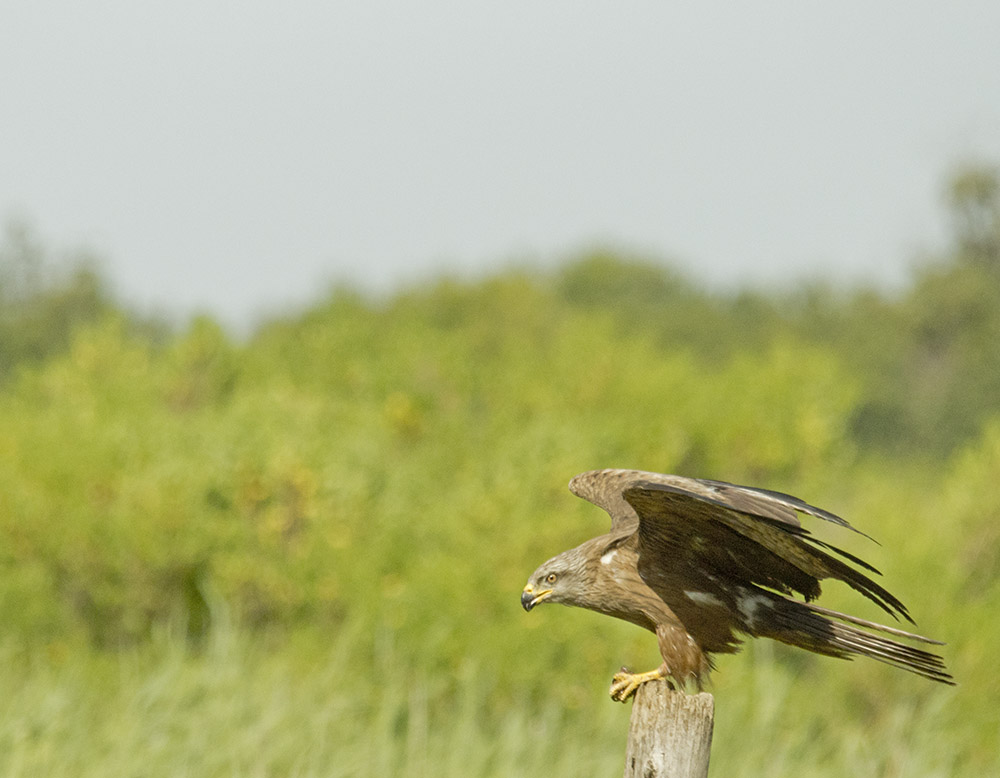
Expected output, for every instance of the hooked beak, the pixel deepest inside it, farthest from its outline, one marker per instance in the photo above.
(529, 599)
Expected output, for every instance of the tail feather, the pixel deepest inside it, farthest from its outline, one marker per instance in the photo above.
(870, 624)
(835, 634)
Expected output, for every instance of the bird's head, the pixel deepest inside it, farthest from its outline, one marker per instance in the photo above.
(557, 580)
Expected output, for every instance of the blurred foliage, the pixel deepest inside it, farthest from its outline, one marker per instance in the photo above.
(39, 307)
(387, 473)
(926, 361)
(974, 200)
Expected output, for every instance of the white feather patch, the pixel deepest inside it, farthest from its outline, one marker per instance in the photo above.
(749, 605)
(704, 598)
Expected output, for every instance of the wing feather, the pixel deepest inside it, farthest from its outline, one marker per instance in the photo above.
(777, 551)
(754, 500)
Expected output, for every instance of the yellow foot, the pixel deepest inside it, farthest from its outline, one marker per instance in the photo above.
(624, 684)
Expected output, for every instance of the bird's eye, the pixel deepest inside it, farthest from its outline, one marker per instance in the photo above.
(550, 578)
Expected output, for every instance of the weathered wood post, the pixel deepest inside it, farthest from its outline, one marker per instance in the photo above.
(669, 734)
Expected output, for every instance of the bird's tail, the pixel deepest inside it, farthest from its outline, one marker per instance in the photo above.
(836, 634)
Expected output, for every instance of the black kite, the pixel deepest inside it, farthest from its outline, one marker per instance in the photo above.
(698, 562)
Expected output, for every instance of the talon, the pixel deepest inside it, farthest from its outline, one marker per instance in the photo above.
(624, 683)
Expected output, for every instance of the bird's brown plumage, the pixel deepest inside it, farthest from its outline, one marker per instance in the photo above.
(700, 563)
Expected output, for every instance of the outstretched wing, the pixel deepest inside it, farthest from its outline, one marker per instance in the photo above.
(743, 535)
(605, 488)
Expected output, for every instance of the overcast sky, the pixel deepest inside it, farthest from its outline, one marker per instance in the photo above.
(238, 156)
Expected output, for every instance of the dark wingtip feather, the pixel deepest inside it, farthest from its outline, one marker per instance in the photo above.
(804, 507)
(846, 555)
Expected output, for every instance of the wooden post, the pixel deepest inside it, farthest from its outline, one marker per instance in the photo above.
(669, 734)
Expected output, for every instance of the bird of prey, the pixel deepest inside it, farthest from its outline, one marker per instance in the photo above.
(700, 562)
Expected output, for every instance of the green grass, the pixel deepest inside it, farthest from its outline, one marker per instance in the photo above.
(240, 709)
(257, 707)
